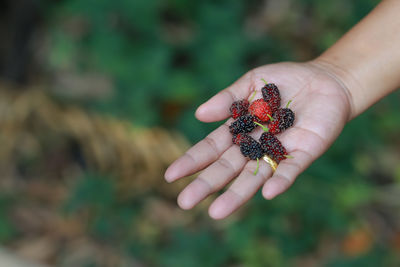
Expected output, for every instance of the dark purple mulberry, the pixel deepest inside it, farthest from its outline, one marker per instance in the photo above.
(251, 148)
(271, 95)
(272, 147)
(245, 124)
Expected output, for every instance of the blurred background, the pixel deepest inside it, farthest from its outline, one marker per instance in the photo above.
(97, 99)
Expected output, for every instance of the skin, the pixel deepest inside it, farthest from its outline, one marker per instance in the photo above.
(327, 92)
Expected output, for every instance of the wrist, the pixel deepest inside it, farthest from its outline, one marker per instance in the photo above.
(366, 60)
(346, 81)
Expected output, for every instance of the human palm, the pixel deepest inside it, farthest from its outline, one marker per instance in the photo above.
(322, 107)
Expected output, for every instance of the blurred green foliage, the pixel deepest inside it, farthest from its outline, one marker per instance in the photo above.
(95, 195)
(173, 53)
(165, 57)
(7, 229)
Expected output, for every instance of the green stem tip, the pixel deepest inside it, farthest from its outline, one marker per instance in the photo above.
(265, 128)
(269, 116)
(258, 165)
(253, 95)
(288, 103)
(288, 156)
(264, 81)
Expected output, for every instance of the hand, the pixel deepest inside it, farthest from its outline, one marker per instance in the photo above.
(322, 106)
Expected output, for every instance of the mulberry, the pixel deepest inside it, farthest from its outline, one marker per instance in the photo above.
(261, 110)
(272, 147)
(271, 95)
(282, 119)
(239, 108)
(244, 124)
(251, 148)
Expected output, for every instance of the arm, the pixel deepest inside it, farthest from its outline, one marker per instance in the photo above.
(367, 59)
(327, 92)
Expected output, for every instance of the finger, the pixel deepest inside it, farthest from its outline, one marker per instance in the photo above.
(241, 190)
(286, 174)
(213, 178)
(217, 108)
(304, 146)
(202, 154)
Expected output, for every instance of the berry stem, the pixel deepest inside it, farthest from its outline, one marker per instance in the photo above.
(258, 165)
(265, 128)
(253, 95)
(262, 79)
(269, 116)
(288, 156)
(287, 105)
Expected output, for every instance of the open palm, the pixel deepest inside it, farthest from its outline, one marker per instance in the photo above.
(322, 107)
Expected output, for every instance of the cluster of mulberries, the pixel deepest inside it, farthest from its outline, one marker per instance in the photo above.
(266, 110)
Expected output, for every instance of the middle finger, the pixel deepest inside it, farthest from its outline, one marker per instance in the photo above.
(241, 190)
(213, 178)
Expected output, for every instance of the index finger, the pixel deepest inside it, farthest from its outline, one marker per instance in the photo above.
(202, 154)
(217, 107)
